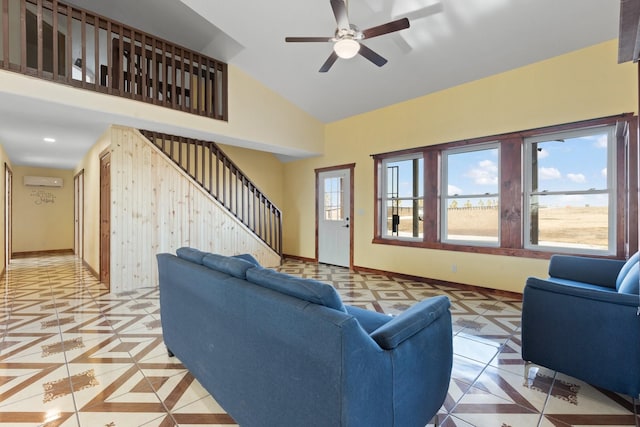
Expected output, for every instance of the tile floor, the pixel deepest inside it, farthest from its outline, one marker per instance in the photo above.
(72, 354)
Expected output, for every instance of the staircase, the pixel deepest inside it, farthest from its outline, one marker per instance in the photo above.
(209, 166)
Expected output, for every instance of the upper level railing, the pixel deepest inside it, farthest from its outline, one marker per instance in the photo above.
(61, 43)
(207, 164)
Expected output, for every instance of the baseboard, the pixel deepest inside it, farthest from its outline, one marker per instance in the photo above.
(28, 254)
(299, 258)
(91, 270)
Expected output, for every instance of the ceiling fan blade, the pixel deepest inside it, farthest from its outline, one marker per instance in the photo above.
(329, 62)
(340, 12)
(308, 39)
(389, 27)
(425, 11)
(371, 55)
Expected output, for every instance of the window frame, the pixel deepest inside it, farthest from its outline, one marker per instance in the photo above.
(444, 179)
(512, 189)
(340, 201)
(384, 199)
(610, 190)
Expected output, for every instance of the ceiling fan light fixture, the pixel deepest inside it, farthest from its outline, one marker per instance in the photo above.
(346, 48)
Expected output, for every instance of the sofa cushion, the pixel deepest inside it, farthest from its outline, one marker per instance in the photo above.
(191, 254)
(235, 267)
(305, 289)
(629, 267)
(248, 257)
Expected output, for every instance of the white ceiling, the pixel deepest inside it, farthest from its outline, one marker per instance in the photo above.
(450, 42)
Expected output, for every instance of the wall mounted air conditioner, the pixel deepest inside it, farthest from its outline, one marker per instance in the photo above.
(42, 181)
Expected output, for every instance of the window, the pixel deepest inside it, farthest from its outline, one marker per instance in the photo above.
(566, 188)
(570, 191)
(333, 199)
(470, 189)
(402, 189)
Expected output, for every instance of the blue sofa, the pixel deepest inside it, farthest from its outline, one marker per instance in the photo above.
(584, 321)
(276, 350)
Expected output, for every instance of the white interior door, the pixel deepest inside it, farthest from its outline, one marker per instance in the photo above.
(334, 241)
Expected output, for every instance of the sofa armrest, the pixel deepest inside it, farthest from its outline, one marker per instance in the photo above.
(596, 271)
(590, 334)
(407, 324)
(369, 320)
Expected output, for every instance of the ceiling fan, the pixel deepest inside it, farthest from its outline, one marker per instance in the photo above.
(346, 40)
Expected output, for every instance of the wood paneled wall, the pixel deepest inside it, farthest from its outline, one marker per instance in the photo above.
(156, 208)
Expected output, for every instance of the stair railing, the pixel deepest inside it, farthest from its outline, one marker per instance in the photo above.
(209, 166)
(53, 41)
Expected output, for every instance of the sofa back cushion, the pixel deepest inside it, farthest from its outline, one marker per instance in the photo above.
(236, 267)
(248, 257)
(191, 254)
(305, 289)
(627, 281)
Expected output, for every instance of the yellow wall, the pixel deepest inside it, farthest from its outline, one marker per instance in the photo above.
(91, 166)
(42, 216)
(580, 85)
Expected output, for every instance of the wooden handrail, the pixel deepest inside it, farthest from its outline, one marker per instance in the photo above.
(210, 167)
(57, 42)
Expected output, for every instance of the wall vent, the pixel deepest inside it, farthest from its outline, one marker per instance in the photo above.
(42, 181)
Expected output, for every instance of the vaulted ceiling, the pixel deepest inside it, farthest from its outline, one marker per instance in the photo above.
(449, 42)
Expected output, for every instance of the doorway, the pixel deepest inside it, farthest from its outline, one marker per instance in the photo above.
(105, 219)
(334, 215)
(78, 211)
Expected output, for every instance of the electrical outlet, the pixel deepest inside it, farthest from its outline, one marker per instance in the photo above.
(454, 268)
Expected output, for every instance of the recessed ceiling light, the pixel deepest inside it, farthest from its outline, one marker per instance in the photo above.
(47, 139)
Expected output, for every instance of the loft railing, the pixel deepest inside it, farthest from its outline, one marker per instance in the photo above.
(208, 165)
(61, 43)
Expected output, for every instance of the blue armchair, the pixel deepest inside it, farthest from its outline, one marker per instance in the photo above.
(584, 321)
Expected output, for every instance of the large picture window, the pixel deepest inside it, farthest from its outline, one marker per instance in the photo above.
(470, 209)
(570, 191)
(566, 188)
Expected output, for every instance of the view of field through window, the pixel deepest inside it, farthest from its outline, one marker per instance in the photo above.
(566, 196)
(585, 227)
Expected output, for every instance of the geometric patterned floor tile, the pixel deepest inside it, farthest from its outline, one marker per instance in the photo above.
(74, 355)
